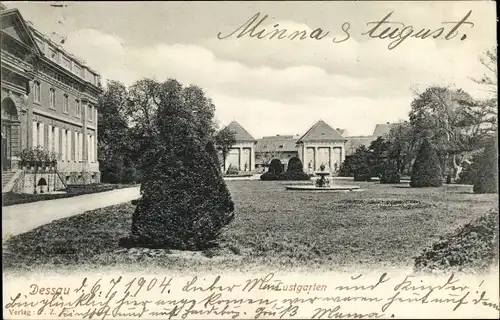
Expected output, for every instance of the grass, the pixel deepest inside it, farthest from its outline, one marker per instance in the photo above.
(11, 198)
(381, 226)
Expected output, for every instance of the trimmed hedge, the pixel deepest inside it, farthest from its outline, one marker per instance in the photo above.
(274, 171)
(364, 176)
(472, 247)
(294, 171)
(390, 175)
(185, 202)
(10, 198)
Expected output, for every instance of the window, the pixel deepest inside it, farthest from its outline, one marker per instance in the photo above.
(52, 54)
(66, 63)
(67, 145)
(38, 134)
(90, 113)
(78, 110)
(65, 103)
(52, 98)
(36, 91)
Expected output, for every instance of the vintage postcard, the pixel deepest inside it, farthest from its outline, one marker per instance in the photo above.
(249, 160)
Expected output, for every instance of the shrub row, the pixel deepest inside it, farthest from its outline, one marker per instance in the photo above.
(294, 171)
(10, 198)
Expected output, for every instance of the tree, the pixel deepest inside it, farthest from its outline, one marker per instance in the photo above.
(184, 201)
(224, 140)
(426, 171)
(404, 146)
(489, 79)
(452, 120)
(486, 168)
(361, 164)
(203, 110)
(112, 127)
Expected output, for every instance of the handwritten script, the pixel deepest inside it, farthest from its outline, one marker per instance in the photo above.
(267, 296)
(383, 29)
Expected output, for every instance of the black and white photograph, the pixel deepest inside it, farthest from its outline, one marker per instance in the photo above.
(249, 159)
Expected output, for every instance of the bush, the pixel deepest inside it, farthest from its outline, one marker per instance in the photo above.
(11, 198)
(112, 172)
(295, 170)
(362, 173)
(129, 175)
(232, 170)
(486, 180)
(295, 176)
(390, 175)
(186, 208)
(295, 165)
(426, 170)
(472, 247)
(274, 172)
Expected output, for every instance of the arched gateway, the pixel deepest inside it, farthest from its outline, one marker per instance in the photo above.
(10, 132)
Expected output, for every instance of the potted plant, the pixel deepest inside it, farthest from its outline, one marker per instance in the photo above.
(39, 156)
(26, 158)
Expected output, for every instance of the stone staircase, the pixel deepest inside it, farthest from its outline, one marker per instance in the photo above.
(6, 177)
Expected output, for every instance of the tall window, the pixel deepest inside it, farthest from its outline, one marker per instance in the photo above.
(90, 112)
(36, 91)
(78, 110)
(67, 145)
(52, 98)
(65, 103)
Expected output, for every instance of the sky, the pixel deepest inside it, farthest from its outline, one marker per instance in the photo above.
(273, 86)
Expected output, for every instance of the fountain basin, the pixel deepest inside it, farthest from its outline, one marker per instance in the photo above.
(329, 188)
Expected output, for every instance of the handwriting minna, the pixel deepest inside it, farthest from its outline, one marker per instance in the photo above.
(395, 31)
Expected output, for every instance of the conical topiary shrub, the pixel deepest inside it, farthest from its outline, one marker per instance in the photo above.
(295, 170)
(184, 202)
(184, 208)
(486, 180)
(426, 170)
(274, 172)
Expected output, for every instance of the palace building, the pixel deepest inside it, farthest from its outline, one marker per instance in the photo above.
(48, 99)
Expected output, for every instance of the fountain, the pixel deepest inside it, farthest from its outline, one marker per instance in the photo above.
(322, 183)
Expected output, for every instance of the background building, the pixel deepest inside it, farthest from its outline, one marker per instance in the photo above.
(282, 147)
(48, 99)
(354, 142)
(242, 153)
(321, 145)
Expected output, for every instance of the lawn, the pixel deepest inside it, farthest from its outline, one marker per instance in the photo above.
(380, 226)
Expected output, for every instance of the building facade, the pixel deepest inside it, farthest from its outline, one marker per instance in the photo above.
(282, 147)
(48, 99)
(320, 145)
(242, 153)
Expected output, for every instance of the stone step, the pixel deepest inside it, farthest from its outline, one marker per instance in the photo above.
(6, 176)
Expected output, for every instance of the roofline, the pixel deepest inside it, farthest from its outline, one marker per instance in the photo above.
(24, 25)
(61, 48)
